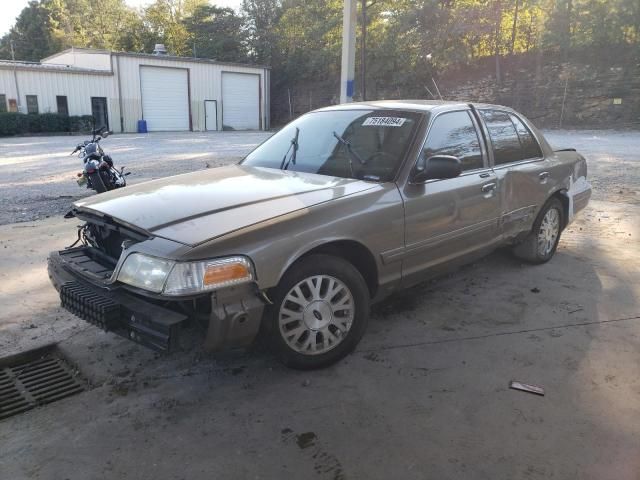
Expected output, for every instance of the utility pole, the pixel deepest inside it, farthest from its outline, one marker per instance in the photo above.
(363, 51)
(15, 77)
(348, 51)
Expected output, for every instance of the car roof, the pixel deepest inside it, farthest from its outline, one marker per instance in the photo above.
(412, 105)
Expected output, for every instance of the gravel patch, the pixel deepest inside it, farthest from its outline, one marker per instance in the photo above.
(612, 159)
(37, 174)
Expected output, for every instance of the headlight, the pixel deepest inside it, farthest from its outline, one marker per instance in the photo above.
(184, 278)
(149, 273)
(194, 277)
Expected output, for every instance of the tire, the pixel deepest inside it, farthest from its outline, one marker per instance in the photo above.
(97, 183)
(320, 312)
(541, 243)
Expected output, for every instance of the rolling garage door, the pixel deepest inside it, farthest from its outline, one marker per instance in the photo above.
(240, 101)
(165, 98)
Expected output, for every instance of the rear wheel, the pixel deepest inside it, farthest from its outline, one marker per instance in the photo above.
(541, 244)
(320, 312)
(96, 182)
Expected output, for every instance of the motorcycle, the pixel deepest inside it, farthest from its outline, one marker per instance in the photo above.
(99, 173)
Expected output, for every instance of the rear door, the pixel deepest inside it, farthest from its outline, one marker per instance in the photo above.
(520, 167)
(446, 219)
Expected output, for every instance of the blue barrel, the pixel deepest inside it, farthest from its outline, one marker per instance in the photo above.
(142, 126)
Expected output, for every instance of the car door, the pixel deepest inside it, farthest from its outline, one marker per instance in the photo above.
(521, 170)
(446, 219)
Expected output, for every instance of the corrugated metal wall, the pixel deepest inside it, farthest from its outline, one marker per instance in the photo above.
(205, 80)
(204, 84)
(77, 87)
(81, 58)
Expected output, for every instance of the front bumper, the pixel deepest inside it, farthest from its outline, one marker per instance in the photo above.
(116, 310)
(233, 320)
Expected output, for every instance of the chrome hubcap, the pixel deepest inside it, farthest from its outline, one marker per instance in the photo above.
(316, 315)
(549, 231)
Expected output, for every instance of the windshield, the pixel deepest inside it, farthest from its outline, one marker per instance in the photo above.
(362, 144)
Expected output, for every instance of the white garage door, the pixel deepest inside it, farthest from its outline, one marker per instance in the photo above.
(165, 98)
(240, 101)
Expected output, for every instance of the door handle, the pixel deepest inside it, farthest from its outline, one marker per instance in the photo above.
(543, 176)
(488, 187)
(485, 175)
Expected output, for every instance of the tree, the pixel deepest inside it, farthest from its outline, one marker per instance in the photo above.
(217, 33)
(31, 35)
(262, 17)
(164, 21)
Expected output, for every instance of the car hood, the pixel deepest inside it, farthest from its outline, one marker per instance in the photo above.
(200, 206)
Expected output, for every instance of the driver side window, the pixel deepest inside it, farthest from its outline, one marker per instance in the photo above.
(453, 133)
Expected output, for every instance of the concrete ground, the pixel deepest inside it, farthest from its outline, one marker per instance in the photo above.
(38, 176)
(424, 396)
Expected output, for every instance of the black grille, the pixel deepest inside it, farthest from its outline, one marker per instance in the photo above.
(26, 384)
(95, 309)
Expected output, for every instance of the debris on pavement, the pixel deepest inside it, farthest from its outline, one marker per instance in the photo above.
(525, 387)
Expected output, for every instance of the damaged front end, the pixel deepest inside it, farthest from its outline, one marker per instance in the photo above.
(87, 277)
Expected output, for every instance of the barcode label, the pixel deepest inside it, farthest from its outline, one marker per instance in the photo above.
(384, 122)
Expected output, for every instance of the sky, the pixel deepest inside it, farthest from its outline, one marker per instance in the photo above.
(12, 8)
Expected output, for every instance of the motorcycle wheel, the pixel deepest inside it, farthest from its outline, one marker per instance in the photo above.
(97, 183)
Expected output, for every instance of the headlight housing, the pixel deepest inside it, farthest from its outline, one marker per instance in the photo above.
(184, 278)
(194, 277)
(142, 271)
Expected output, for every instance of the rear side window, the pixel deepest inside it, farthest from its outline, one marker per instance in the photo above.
(506, 144)
(454, 133)
(530, 147)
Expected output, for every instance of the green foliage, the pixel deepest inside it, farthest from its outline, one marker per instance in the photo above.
(216, 33)
(408, 41)
(32, 35)
(12, 123)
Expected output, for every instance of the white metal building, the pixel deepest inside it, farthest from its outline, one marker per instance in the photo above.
(169, 93)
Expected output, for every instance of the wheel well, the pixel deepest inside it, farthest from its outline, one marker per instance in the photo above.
(357, 255)
(562, 196)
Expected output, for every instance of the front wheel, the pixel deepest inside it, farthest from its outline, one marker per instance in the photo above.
(96, 182)
(541, 244)
(320, 312)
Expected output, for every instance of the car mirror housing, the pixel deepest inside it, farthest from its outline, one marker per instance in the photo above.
(438, 167)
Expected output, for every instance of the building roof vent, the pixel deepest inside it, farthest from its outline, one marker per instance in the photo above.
(159, 49)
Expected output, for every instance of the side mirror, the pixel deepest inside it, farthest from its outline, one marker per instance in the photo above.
(438, 167)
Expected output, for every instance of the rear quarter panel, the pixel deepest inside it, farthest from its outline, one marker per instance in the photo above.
(565, 168)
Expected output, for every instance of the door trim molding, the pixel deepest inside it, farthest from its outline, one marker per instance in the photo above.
(401, 253)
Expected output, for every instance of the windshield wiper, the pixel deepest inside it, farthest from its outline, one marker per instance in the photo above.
(294, 143)
(350, 149)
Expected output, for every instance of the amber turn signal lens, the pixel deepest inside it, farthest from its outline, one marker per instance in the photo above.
(217, 274)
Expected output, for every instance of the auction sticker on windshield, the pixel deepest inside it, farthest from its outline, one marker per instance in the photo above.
(384, 122)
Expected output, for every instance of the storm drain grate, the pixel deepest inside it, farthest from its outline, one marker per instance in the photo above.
(35, 378)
